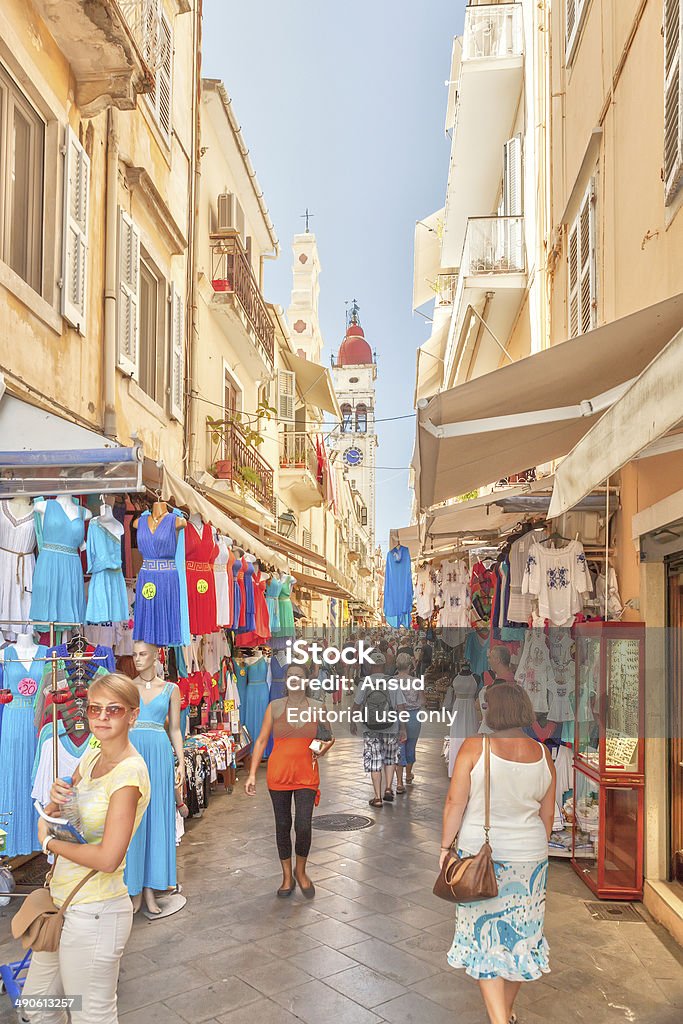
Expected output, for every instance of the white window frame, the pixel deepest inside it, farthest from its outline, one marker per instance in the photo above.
(159, 325)
(74, 279)
(286, 396)
(574, 15)
(160, 99)
(673, 98)
(582, 267)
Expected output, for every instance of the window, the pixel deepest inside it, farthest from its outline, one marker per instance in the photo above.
(673, 97)
(286, 390)
(347, 418)
(361, 418)
(152, 330)
(581, 268)
(75, 232)
(158, 52)
(364, 516)
(575, 11)
(22, 144)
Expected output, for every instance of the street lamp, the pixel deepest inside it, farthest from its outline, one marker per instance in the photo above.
(286, 524)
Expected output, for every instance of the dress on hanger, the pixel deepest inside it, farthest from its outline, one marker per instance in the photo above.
(520, 605)
(278, 677)
(250, 604)
(241, 683)
(200, 554)
(261, 615)
(398, 587)
(231, 587)
(18, 743)
(107, 599)
(453, 595)
(425, 593)
(534, 672)
(477, 652)
(272, 600)
(285, 611)
(236, 593)
(58, 586)
(256, 700)
(466, 721)
(151, 857)
(157, 594)
(220, 571)
(558, 577)
(17, 561)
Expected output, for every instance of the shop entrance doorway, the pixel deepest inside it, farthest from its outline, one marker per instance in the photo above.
(675, 697)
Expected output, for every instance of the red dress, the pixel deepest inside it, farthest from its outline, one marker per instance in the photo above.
(200, 554)
(262, 615)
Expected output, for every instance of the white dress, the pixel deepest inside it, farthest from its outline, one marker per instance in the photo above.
(425, 592)
(17, 561)
(561, 649)
(557, 577)
(520, 605)
(454, 595)
(463, 703)
(221, 576)
(534, 672)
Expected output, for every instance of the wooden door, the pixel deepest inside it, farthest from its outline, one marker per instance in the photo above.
(676, 721)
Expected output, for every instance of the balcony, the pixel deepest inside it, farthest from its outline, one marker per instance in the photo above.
(493, 281)
(237, 297)
(489, 83)
(112, 47)
(298, 480)
(237, 462)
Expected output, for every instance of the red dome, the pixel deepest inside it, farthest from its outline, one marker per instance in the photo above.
(354, 349)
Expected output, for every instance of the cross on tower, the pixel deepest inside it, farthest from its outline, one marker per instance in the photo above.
(352, 314)
(307, 216)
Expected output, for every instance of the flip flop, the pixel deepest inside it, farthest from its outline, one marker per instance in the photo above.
(400, 789)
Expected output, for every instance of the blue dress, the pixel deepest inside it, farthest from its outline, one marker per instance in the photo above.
(272, 594)
(58, 587)
(398, 587)
(249, 605)
(157, 594)
(278, 679)
(18, 744)
(151, 857)
(241, 676)
(107, 599)
(257, 700)
(237, 593)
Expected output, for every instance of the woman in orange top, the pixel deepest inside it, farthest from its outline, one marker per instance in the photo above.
(292, 771)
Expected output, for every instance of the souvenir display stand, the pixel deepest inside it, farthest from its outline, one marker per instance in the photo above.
(609, 758)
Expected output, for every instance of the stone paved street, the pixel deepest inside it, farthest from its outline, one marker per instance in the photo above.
(371, 946)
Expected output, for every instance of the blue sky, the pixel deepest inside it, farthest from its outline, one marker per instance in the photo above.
(343, 108)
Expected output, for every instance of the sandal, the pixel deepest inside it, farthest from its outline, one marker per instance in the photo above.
(389, 796)
(409, 779)
(400, 789)
(375, 802)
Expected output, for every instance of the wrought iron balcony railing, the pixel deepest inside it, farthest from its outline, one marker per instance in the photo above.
(492, 30)
(235, 460)
(231, 272)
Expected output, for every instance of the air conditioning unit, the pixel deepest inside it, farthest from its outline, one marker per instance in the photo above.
(230, 214)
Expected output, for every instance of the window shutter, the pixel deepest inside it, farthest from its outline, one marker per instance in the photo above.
(582, 267)
(286, 391)
(164, 77)
(673, 97)
(75, 231)
(573, 281)
(512, 177)
(128, 295)
(574, 15)
(176, 389)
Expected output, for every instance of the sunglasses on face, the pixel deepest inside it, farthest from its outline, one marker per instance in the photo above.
(110, 710)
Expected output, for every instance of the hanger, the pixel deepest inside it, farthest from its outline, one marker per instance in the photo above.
(556, 535)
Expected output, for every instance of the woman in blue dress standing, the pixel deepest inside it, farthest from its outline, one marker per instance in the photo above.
(151, 859)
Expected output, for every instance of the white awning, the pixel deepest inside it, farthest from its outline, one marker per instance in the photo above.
(409, 536)
(647, 411)
(534, 410)
(314, 383)
(427, 257)
(490, 514)
(430, 362)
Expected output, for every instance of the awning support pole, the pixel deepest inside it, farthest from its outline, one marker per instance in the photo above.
(486, 326)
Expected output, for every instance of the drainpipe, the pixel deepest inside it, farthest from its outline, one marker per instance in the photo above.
(109, 346)
(190, 447)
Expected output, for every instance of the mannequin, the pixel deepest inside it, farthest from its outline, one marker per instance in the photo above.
(58, 593)
(19, 506)
(70, 507)
(151, 861)
(196, 521)
(249, 557)
(25, 648)
(107, 521)
(159, 510)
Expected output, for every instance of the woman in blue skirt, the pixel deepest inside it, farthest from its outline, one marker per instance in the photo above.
(151, 858)
(500, 941)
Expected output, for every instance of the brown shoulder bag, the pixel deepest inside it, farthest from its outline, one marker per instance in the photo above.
(468, 879)
(39, 923)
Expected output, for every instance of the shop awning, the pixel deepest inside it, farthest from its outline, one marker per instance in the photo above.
(427, 257)
(175, 489)
(307, 581)
(536, 409)
(314, 383)
(430, 362)
(45, 454)
(648, 411)
(408, 536)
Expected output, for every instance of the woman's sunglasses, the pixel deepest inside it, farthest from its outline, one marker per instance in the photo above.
(110, 710)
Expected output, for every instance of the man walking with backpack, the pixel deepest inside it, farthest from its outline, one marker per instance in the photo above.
(382, 731)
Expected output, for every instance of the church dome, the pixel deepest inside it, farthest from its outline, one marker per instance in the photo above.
(354, 349)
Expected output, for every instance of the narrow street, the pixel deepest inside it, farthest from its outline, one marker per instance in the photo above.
(371, 945)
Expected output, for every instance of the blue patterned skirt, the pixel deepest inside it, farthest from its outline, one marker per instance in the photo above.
(503, 937)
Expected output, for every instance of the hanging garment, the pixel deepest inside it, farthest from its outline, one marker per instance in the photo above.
(261, 615)
(243, 595)
(256, 700)
(231, 587)
(534, 672)
(520, 604)
(107, 599)
(285, 611)
(463, 703)
(482, 583)
(477, 652)
(241, 683)
(200, 554)
(249, 603)
(236, 593)
(58, 585)
(272, 600)
(68, 756)
(398, 587)
(151, 857)
(615, 608)
(157, 594)
(425, 593)
(220, 571)
(17, 561)
(454, 595)
(18, 743)
(558, 577)
(278, 677)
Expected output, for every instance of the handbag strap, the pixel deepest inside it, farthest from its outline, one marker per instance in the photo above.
(67, 901)
(487, 787)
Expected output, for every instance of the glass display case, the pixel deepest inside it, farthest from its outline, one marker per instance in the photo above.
(609, 758)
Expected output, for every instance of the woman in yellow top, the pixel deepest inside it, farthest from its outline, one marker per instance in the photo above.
(112, 785)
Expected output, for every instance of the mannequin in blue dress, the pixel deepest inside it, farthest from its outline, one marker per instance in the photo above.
(151, 858)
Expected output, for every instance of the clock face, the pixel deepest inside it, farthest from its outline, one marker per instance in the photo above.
(353, 456)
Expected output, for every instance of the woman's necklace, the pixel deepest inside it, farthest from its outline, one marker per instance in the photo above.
(148, 682)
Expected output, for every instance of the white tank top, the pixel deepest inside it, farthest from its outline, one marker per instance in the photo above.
(517, 789)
